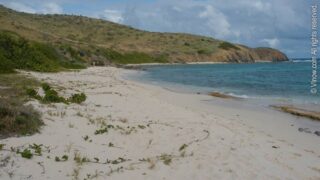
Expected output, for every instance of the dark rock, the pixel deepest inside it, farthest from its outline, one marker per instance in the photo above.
(317, 133)
(306, 130)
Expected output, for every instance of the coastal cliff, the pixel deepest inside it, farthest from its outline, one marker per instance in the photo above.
(95, 41)
(270, 54)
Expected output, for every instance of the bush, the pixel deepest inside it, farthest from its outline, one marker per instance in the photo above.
(77, 98)
(5, 111)
(18, 119)
(227, 46)
(27, 120)
(51, 96)
(26, 153)
(15, 117)
(6, 66)
(202, 51)
(45, 86)
(26, 55)
(19, 53)
(33, 94)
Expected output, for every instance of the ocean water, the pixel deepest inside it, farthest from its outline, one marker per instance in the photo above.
(288, 81)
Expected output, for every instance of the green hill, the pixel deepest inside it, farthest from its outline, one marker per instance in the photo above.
(71, 41)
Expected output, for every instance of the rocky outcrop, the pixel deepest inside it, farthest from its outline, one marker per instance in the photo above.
(269, 54)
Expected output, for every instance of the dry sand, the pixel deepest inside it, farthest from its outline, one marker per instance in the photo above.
(159, 134)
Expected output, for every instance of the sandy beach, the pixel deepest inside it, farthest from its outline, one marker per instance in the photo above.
(132, 130)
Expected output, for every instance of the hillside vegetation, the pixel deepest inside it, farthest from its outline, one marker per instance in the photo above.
(18, 53)
(76, 39)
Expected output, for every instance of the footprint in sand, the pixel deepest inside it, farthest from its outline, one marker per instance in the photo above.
(297, 154)
(309, 151)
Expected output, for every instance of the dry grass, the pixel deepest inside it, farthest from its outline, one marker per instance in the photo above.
(15, 117)
(93, 35)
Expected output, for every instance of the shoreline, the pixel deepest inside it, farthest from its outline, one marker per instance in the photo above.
(297, 106)
(153, 133)
(298, 109)
(160, 64)
(202, 62)
(294, 109)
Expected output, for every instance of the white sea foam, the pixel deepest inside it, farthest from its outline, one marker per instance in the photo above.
(300, 61)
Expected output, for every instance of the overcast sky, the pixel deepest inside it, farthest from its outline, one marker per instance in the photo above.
(281, 24)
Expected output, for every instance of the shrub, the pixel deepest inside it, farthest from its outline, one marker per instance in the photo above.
(166, 159)
(33, 93)
(6, 66)
(77, 98)
(37, 148)
(227, 46)
(18, 119)
(101, 131)
(45, 86)
(65, 157)
(27, 120)
(5, 110)
(51, 96)
(19, 53)
(202, 51)
(57, 159)
(26, 154)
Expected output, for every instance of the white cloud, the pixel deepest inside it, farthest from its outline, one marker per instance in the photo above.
(176, 8)
(255, 5)
(21, 7)
(274, 42)
(51, 8)
(216, 21)
(112, 15)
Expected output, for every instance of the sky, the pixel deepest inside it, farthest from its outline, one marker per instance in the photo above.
(280, 24)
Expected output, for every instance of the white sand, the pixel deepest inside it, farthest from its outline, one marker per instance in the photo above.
(227, 139)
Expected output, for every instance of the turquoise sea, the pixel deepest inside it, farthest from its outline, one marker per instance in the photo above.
(287, 81)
